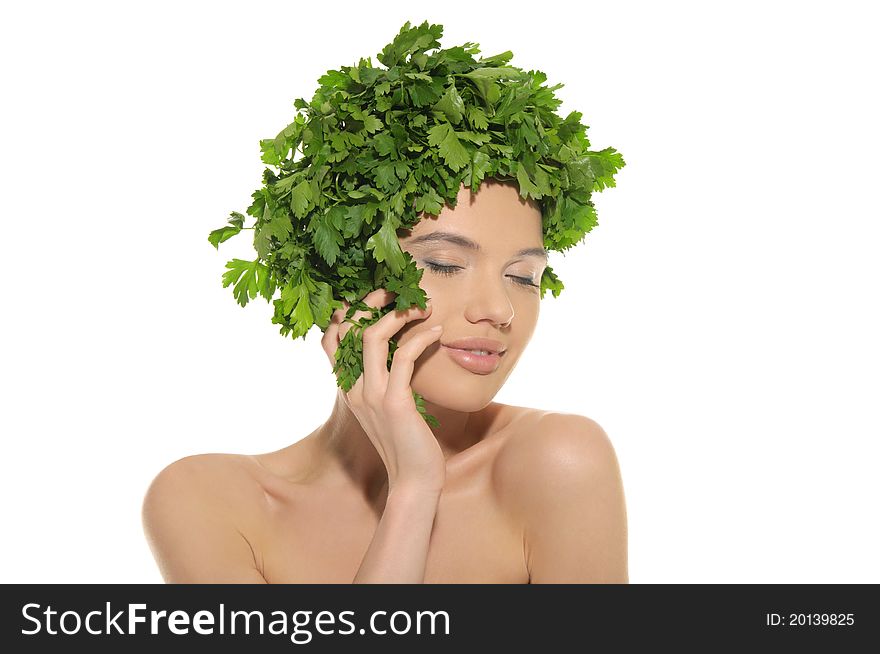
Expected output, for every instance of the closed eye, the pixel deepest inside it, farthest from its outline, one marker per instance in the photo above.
(451, 270)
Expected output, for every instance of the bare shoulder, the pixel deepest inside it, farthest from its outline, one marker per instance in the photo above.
(559, 480)
(223, 479)
(195, 514)
(548, 445)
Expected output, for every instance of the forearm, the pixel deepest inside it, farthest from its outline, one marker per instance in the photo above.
(399, 549)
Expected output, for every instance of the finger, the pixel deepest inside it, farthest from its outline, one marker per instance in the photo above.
(330, 339)
(339, 315)
(402, 366)
(355, 394)
(379, 298)
(376, 299)
(339, 326)
(376, 347)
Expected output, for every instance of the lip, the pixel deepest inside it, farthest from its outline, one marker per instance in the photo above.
(480, 364)
(477, 343)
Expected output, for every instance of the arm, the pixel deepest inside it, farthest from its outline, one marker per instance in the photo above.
(571, 504)
(188, 526)
(383, 402)
(399, 549)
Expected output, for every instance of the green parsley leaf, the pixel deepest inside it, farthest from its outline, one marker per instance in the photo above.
(378, 148)
(451, 149)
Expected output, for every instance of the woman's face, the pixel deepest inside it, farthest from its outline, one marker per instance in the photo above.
(483, 283)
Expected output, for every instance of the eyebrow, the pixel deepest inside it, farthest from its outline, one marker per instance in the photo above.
(463, 241)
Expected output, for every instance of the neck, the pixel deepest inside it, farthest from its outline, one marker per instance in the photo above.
(348, 452)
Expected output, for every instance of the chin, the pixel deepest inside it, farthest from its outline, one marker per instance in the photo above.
(454, 401)
(443, 383)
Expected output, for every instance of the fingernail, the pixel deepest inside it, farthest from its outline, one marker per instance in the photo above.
(436, 328)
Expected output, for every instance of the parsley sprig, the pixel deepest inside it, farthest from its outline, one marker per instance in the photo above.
(378, 147)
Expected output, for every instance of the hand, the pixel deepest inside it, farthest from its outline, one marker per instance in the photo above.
(382, 401)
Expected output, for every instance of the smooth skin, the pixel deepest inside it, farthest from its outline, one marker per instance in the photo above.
(497, 494)
(383, 404)
(382, 400)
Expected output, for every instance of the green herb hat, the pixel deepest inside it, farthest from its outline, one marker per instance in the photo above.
(377, 148)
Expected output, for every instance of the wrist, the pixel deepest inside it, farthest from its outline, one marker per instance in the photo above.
(415, 488)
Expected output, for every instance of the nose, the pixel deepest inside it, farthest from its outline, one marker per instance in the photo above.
(488, 300)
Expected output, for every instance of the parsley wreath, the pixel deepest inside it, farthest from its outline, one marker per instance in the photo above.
(380, 146)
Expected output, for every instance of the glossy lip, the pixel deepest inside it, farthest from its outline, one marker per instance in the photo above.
(477, 343)
(480, 364)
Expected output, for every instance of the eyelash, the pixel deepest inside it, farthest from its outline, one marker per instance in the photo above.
(449, 270)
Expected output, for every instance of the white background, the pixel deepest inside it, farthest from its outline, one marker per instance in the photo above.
(720, 323)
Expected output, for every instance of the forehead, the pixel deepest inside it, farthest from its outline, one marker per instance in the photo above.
(495, 218)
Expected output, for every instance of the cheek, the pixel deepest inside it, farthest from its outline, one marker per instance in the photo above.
(414, 327)
(440, 295)
(525, 320)
(433, 285)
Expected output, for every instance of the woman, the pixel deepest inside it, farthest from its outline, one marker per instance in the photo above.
(495, 494)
